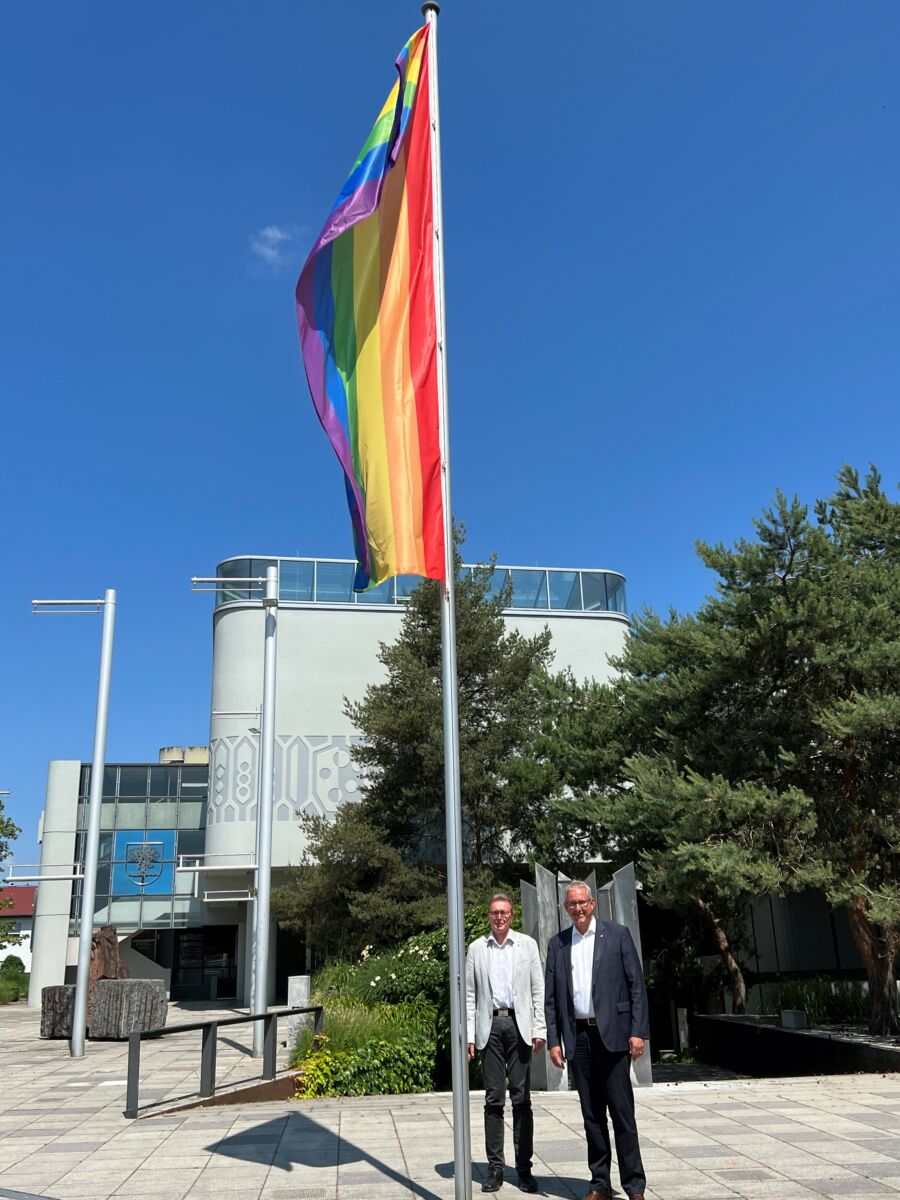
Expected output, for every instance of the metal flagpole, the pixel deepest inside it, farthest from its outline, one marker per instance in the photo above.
(92, 836)
(462, 1144)
(264, 811)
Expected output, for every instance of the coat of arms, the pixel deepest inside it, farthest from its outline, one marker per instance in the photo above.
(143, 862)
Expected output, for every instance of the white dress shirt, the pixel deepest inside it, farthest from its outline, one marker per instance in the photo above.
(500, 970)
(583, 969)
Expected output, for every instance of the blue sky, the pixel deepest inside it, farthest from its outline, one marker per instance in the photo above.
(672, 247)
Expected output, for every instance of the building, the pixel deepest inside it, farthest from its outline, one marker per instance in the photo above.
(17, 907)
(177, 850)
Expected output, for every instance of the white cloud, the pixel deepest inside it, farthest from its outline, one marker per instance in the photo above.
(272, 244)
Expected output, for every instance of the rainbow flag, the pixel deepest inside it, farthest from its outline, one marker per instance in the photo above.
(366, 314)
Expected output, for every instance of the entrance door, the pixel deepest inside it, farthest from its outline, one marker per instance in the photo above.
(205, 963)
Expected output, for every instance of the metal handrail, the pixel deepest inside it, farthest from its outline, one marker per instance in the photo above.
(209, 1030)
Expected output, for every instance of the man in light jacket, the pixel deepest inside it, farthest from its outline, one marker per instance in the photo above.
(505, 1010)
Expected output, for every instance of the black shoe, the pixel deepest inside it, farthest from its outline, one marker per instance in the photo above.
(493, 1182)
(527, 1182)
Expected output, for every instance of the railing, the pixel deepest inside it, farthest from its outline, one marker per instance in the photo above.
(209, 1031)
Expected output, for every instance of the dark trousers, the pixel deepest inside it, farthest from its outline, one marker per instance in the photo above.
(507, 1057)
(603, 1080)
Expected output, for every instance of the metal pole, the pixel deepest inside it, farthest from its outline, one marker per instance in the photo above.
(264, 805)
(462, 1143)
(92, 836)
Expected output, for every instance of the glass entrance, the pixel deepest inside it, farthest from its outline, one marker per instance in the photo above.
(205, 963)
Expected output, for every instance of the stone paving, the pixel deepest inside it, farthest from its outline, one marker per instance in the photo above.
(62, 1134)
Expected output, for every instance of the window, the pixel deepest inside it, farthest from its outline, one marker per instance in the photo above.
(132, 781)
(616, 589)
(383, 594)
(529, 589)
(163, 781)
(295, 580)
(594, 584)
(334, 582)
(565, 592)
(405, 585)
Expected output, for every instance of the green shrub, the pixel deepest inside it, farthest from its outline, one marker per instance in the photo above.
(12, 965)
(825, 1001)
(368, 1051)
(377, 1068)
(12, 988)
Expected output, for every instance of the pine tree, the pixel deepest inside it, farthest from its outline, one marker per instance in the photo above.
(755, 744)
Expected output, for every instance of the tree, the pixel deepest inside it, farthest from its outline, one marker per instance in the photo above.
(501, 680)
(354, 886)
(9, 831)
(755, 742)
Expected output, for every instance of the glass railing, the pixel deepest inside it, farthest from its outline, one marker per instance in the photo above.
(330, 581)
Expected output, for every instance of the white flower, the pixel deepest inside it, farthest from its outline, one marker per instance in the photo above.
(376, 979)
(393, 976)
(372, 984)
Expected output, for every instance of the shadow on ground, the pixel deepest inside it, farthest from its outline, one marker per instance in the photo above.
(297, 1140)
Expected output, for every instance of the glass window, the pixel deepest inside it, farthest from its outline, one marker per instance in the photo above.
(109, 781)
(295, 580)
(163, 781)
(108, 813)
(85, 785)
(497, 582)
(238, 568)
(405, 585)
(615, 586)
(185, 882)
(383, 594)
(132, 781)
(334, 582)
(594, 585)
(529, 589)
(194, 778)
(191, 841)
(124, 913)
(155, 913)
(258, 571)
(192, 814)
(132, 814)
(162, 814)
(564, 590)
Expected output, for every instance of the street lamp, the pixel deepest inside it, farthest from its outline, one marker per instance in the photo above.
(92, 835)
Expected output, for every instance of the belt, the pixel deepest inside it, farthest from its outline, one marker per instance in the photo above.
(504, 1012)
(585, 1022)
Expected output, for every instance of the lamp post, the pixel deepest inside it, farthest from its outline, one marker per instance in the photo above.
(92, 834)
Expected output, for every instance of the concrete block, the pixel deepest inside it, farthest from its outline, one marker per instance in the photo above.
(124, 1006)
(57, 1010)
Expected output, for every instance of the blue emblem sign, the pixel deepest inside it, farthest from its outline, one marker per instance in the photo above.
(143, 862)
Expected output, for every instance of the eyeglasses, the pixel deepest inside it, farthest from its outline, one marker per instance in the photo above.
(579, 903)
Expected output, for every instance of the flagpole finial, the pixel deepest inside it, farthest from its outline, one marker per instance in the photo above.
(430, 6)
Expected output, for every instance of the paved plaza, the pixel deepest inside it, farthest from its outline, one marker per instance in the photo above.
(62, 1133)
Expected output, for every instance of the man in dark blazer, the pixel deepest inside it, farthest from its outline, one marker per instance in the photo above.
(597, 1018)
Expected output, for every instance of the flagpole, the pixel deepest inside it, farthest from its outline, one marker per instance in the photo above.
(462, 1145)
